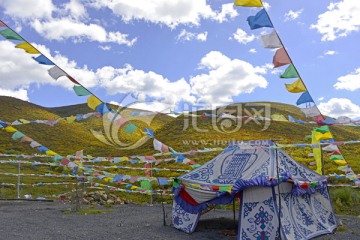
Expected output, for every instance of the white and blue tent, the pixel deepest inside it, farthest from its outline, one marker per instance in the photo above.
(279, 198)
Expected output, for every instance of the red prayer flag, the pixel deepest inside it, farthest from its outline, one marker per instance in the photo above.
(281, 58)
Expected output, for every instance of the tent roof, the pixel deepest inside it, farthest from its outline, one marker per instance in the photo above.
(248, 161)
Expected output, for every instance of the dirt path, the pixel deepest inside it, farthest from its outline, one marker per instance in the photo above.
(43, 220)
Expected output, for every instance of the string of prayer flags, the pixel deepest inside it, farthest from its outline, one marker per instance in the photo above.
(311, 111)
(43, 60)
(281, 58)
(271, 40)
(10, 34)
(55, 72)
(27, 47)
(304, 98)
(81, 91)
(248, 3)
(290, 72)
(93, 102)
(260, 20)
(296, 87)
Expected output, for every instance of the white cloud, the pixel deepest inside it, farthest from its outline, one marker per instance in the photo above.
(337, 107)
(242, 37)
(292, 15)
(150, 84)
(60, 29)
(321, 98)
(252, 50)
(189, 36)
(330, 52)
(226, 78)
(340, 20)
(20, 94)
(170, 13)
(26, 9)
(226, 10)
(349, 82)
(105, 48)
(75, 9)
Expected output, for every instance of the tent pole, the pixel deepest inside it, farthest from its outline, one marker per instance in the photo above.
(278, 187)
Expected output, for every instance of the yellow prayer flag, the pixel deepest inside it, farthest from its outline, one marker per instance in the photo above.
(317, 153)
(296, 87)
(248, 3)
(28, 48)
(50, 153)
(93, 102)
(278, 117)
(340, 162)
(323, 136)
(10, 129)
(71, 119)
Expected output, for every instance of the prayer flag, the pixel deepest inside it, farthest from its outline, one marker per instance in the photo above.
(281, 58)
(10, 129)
(304, 98)
(34, 144)
(271, 40)
(55, 72)
(43, 60)
(296, 87)
(93, 102)
(2, 24)
(330, 148)
(248, 3)
(17, 135)
(10, 34)
(323, 136)
(337, 157)
(317, 152)
(43, 149)
(260, 20)
(70, 119)
(290, 72)
(322, 129)
(50, 153)
(278, 117)
(28, 48)
(26, 139)
(149, 132)
(145, 185)
(311, 111)
(81, 91)
(330, 121)
(103, 108)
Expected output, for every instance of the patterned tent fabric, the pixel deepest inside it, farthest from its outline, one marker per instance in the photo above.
(256, 171)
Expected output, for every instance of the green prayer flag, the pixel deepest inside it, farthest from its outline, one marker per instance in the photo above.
(81, 91)
(308, 136)
(10, 34)
(336, 157)
(322, 129)
(17, 135)
(176, 183)
(145, 185)
(130, 128)
(290, 72)
(57, 157)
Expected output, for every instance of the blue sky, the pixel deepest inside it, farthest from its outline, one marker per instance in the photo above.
(182, 51)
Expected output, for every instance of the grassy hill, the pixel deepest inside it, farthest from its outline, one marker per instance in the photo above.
(182, 133)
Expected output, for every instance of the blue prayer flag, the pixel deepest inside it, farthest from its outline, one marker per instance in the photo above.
(260, 20)
(304, 98)
(43, 60)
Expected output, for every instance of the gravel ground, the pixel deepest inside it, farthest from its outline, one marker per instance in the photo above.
(47, 220)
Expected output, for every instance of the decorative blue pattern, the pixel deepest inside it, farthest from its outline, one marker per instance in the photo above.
(232, 169)
(262, 218)
(202, 174)
(248, 207)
